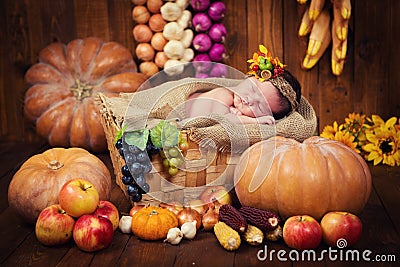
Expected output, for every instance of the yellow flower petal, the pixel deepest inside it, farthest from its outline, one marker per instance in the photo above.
(263, 49)
(377, 161)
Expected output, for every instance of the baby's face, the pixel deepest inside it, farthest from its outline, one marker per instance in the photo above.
(254, 99)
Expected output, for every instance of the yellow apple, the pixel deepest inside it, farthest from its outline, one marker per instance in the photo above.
(78, 197)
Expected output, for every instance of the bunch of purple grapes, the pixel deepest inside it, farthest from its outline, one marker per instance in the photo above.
(137, 164)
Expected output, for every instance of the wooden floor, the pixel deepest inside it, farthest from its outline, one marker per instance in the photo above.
(19, 246)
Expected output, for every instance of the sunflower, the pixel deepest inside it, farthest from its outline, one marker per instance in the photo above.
(336, 132)
(355, 124)
(329, 131)
(384, 142)
(347, 139)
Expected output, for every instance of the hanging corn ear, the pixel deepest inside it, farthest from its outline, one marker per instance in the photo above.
(320, 39)
(305, 25)
(341, 16)
(302, 2)
(253, 235)
(227, 237)
(315, 10)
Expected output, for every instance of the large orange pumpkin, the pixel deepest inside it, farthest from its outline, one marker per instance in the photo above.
(292, 178)
(37, 183)
(63, 86)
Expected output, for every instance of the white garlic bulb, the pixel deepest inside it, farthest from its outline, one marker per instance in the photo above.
(174, 236)
(125, 224)
(189, 229)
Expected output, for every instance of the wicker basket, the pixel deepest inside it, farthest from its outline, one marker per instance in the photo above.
(215, 168)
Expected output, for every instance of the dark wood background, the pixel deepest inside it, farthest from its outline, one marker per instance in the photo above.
(369, 84)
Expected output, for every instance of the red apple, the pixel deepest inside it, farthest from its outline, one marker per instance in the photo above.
(78, 197)
(93, 233)
(337, 225)
(54, 226)
(302, 232)
(216, 193)
(108, 210)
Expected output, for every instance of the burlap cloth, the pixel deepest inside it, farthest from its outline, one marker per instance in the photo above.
(166, 101)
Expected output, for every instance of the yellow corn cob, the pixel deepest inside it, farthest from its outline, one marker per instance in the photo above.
(316, 7)
(343, 8)
(305, 25)
(320, 39)
(319, 31)
(341, 16)
(274, 235)
(253, 235)
(227, 237)
(338, 55)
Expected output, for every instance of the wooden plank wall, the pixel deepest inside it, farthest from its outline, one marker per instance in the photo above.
(370, 82)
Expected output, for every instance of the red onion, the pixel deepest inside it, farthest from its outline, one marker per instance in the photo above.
(202, 42)
(201, 22)
(201, 75)
(217, 10)
(217, 52)
(218, 70)
(202, 63)
(199, 5)
(217, 33)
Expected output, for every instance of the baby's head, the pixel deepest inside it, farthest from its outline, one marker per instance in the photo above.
(280, 88)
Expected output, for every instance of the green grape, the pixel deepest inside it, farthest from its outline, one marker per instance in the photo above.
(173, 170)
(175, 162)
(174, 152)
(165, 163)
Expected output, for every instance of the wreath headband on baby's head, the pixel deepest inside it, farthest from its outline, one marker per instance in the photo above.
(264, 67)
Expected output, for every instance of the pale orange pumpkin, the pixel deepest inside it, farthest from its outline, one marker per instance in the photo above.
(63, 86)
(37, 183)
(312, 177)
(153, 223)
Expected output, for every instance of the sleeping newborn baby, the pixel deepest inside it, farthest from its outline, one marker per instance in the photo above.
(249, 102)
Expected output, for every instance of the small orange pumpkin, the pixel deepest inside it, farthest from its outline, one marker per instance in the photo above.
(38, 181)
(153, 223)
(63, 86)
(313, 177)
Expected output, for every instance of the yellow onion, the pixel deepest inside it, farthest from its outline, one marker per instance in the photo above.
(210, 218)
(140, 14)
(142, 33)
(158, 41)
(157, 23)
(148, 68)
(154, 5)
(174, 207)
(145, 52)
(188, 214)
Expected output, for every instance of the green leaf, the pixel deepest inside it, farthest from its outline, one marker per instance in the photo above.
(119, 134)
(164, 135)
(155, 134)
(169, 135)
(137, 138)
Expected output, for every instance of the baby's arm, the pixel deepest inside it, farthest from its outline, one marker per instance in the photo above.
(217, 101)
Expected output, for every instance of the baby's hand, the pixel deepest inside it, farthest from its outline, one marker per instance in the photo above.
(266, 120)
